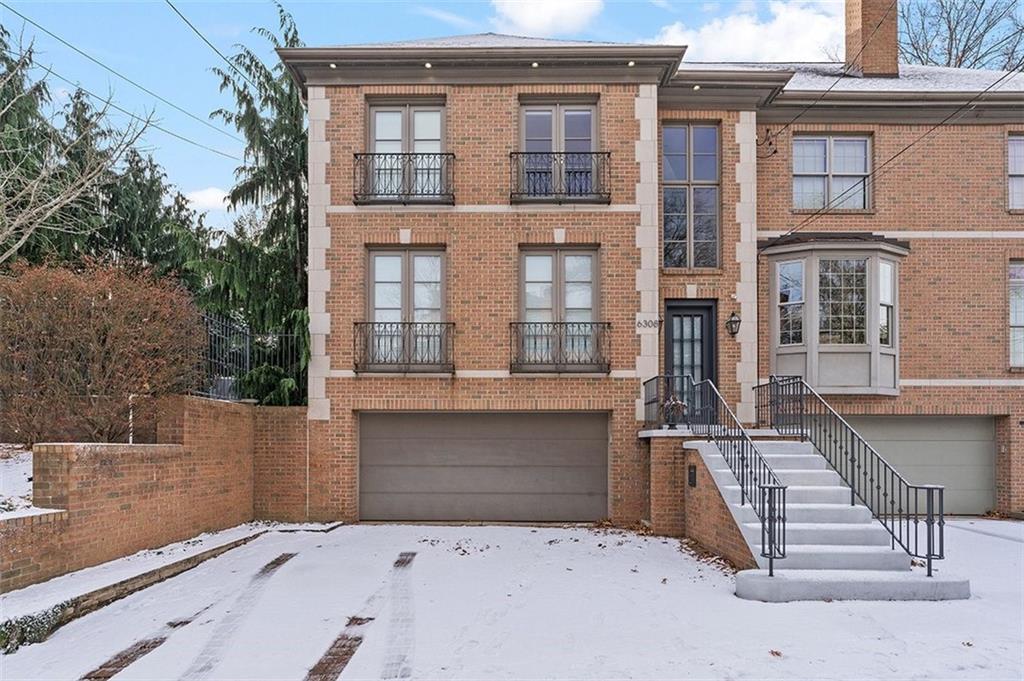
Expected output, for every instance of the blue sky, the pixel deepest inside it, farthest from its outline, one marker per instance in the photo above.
(146, 41)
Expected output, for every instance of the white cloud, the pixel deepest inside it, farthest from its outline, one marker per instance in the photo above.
(450, 18)
(794, 30)
(544, 17)
(663, 4)
(211, 198)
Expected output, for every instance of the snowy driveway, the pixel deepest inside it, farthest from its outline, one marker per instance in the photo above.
(516, 602)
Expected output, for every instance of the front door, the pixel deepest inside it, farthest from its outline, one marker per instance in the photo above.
(690, 339)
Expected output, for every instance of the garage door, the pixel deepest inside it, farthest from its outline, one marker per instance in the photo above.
(958, 452)
(514, 467)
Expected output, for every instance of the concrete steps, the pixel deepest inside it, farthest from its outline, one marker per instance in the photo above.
(848, 585)
(835, 549)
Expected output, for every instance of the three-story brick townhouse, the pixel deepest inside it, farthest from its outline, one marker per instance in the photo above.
(509, 236)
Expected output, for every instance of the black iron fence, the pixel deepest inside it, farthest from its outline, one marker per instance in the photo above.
(404, 346)
(560, 346)
(239, 363)
(912, 514)
(561, 176)
(404, 178)
(678, 400)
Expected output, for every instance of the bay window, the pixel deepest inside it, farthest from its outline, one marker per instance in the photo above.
(836, 309)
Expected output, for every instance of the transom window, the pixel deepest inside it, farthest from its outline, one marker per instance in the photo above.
(831, 172)
(1017, 313)
(1015, 169)
(791, 302)
(842, 301)
(691, 174)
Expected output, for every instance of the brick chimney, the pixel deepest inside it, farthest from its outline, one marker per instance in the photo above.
(880, 58)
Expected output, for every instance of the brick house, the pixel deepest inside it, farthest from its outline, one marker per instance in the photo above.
(509, 235)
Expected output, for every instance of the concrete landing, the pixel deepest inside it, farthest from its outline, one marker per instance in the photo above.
(848, 585)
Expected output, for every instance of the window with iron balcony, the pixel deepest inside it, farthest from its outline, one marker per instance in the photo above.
(406, 162)
(558, 159)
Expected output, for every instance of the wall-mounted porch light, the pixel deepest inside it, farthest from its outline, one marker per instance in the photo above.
(732, 324)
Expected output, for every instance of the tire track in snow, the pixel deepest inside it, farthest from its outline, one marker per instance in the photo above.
(340, 652)
(121, 660)
(211, 653)
(398, 655)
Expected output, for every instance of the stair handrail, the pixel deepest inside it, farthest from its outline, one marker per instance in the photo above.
(707, 413)
(789, 405)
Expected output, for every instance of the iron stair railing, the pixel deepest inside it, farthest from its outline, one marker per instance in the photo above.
(706, 412)
(912, 514)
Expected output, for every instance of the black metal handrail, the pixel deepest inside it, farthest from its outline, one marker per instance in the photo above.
(404, 178)
(560, 176)
(706, 412)
(560, 346)
(912, 514)
(404, 346)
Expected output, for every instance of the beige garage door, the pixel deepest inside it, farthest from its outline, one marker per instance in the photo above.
(500, 467)
(958, 452)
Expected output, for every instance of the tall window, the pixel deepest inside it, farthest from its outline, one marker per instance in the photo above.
(406, 304)
(886, 301)
(1017, 313)
(396, 132)
(559, 297)
(831, 171)
(559, 141)
(690, 176)
(842, 301)
(1016, 171)
(791, 302)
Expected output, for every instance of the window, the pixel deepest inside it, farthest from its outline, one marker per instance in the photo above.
(791, 302)
(406, 306)
(1015, 169)
(842, 301)
(1017, 313)
(559, 306)
(831, 172)
(886, 297)
(690, 175)
(557, 143)
(407, 141)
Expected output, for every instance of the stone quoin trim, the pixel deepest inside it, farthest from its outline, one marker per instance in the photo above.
(746, 256)
(319, 108)
(647, 237)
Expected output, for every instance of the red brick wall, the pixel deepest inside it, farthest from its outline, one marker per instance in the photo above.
(668, 486)
(708, 520)
(279, 463)
(119, 499)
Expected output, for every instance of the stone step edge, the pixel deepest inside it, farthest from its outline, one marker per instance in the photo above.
(854, 585)
(37, 627)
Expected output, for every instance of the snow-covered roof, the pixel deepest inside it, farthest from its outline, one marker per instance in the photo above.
(818, 76)
(485, 40)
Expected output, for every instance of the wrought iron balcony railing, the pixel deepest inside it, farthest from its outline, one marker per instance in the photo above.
(404, 346)
(560, 346)
(404, 178)
(561, 176)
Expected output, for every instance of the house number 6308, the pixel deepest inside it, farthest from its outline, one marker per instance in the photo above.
(648, 323)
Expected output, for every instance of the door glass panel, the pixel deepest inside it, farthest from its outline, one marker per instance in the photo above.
(537, 334)
(387, 145)
(538, 167)
(426, 143)
(386, 339)
(578, 145)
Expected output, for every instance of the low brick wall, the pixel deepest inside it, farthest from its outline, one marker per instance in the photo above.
(116, 499)
(698, 513)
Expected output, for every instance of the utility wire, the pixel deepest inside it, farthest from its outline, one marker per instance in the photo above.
(770, 137)
(120, 75)
(211, 45)
(126, 112)
(831, 204)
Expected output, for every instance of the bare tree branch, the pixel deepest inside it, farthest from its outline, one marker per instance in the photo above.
(973, 34)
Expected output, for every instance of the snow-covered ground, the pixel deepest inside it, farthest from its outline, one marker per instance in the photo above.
(520, 602)
(15, 479)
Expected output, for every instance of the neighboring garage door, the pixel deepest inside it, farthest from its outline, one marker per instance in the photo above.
(955, 451)
(514, 467)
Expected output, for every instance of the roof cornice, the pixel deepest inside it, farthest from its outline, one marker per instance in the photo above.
(483, 65)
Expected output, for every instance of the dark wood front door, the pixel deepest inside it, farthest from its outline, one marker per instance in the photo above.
(690, 340)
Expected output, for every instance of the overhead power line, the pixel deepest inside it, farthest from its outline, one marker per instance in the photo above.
(871, 176)
(121, 75)
(211, 45)
(770, 137)
(130, 114)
